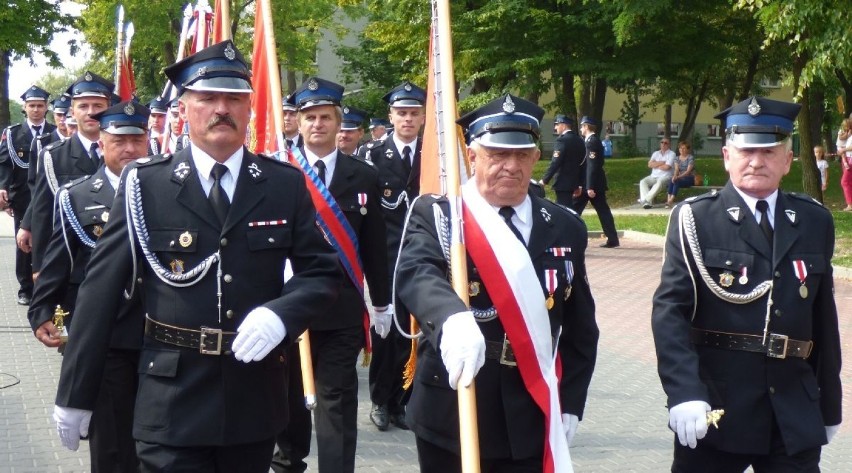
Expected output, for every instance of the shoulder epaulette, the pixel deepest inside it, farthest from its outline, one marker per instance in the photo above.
(74, 182)
(805, 197)
(54, 145)
(151, 160)
(551, 205)
(709, 195)
(361, 160)
(282, 162)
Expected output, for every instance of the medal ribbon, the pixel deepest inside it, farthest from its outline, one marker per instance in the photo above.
(508, 273)
(336, 228)
(550, 281)
(801, 270)
(362, 199)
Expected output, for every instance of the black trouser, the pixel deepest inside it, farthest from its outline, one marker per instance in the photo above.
(565, 198)
(388, 362)
(434, 459)
(603, 211)
(23, 261)
(335, 354)
(243, 458)
(111, 444)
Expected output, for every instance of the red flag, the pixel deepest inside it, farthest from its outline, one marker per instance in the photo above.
(127, 80)
(261, 137)
(221, 18)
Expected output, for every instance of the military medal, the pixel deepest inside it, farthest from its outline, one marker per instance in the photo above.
(569, 274)
(801, 272)
(362, 201)
(105, 216)
(726, 279)
(744, 276)
(177, 266)
(98, 230)
(185, 239)
(551, 282)
(473, 288)
(387, 192)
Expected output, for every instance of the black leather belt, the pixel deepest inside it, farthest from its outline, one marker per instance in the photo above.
(777, 346)
(208, 341)
(500, 351)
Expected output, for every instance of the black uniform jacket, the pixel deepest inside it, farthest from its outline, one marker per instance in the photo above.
(353, 176)
(69, 161)
(568, 163)
(801, 395)
(393, 181)
(509, 420)
(187, 398)
(595, 175)
(64, 267)
(13, 178)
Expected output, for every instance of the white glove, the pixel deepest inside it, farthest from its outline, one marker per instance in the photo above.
(831, 431)
(260, 332)
(570, 422)
(462, 348)
(71, 424)
(689, 420)
(381, 319)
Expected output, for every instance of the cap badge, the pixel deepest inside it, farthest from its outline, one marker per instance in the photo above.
(129, 110)
(313, 85)
(202, 71)
(230, 54)
(88, 77)
(753, 107)
(345, 109)
(508, 105)
(407, 87)
(33, 88)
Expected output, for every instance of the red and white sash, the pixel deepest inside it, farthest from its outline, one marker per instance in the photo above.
(508, 273)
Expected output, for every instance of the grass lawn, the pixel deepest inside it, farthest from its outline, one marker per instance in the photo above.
(624, 173)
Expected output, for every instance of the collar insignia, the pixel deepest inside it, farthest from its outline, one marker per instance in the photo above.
(181, 171)
(791, 216)
(735, 213)
(97, 184)
(389, 153)
(545, 214)
(254, 171)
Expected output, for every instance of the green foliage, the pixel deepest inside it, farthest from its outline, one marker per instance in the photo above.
(27, 27)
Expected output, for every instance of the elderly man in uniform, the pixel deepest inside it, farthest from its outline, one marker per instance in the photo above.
(595, 183)
(744, 318)
(350, 133)
(203, 235)
(397, 158)
(64, 161)
(567, 165)
(531, 311)
(84, 206)
(19, 146)
(347, 202)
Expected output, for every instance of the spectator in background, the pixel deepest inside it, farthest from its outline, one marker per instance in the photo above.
(661, 164)
(684, 172)
(844, 152)
(607, 144)
(822, 165)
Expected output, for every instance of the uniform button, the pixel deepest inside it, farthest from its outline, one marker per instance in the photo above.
(281, 358)
(728, 263)
(223, 242)
(228, 352)
(138, 280)
(777, 274)
(172, 244)
(271, 240)
(431, 325)
(229, 314)
(228, 278)
(435, 378)
(771, 390)
(151, 365)
(777, 312)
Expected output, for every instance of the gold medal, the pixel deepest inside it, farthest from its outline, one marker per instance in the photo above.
(473, 288)
(177, 266)
(743, 280)
(363, 210)
(185, 239)
(803, 291)
(105, 216)
(98, 230)
(567, 292)
(549, 303)
(387, 193)
(726, 279)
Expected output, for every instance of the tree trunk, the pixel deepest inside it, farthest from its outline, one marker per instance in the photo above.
(751, 72)
(810, 174)
(570, 106)
(585, 95)
(692, 109)
(599, 100)
(667, 121)
(847, 93)
(4, 88)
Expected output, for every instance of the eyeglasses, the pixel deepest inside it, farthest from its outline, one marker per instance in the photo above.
(664, 142)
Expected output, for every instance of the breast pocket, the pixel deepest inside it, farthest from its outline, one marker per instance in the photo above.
(732, 270)
(269, 238)
(180, 240)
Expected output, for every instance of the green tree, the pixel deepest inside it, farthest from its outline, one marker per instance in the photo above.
(26, 28)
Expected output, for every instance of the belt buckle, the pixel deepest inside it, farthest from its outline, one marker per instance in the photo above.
(774, 337)
(210, 332)
(505, 351)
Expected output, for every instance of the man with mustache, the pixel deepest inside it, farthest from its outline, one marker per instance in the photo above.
(203, 236)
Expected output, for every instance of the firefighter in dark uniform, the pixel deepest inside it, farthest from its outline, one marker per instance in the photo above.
(397, 157)
(350, 134)
(568, 163)
(64, 161)
(178, 139)
(744, 318)
(83, 210)
(350, 184)
(594, 183)
(19, 145)
(528, 288)
(292, 138)
(208, 230)
(61, 106)
(159, 107)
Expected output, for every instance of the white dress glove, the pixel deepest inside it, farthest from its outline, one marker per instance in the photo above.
(71, 424)
(570, 422)
(831, 431)
(260, 332)
(689, 420)
(462, 348)
(381, 319)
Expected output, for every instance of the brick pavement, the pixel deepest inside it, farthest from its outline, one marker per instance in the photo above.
(624, 428)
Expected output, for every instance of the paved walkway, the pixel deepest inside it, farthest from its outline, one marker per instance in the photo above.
(624, 429)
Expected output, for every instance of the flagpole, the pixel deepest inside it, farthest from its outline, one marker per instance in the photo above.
(119, 46)
(468, 433)
(225, 20)
(184, 31)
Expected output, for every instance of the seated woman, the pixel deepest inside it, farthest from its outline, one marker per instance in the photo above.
(684, 172)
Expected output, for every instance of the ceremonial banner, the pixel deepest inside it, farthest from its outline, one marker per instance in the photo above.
(127, 80)
(261, 136)
(221, 21)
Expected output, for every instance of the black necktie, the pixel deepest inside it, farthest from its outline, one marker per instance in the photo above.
(406, 160)
(289, 143)
(93, 153)
(36, 130)
(321, 170)
(763, 208)
(218, 197)
(34, 142)
(506, 213)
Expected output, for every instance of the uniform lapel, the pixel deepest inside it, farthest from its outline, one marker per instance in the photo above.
(190, 194)
(786, 227)
(737, 211)
(343, 173)
(414, 177)
(80, 155)
(247, 193)
(541, 236)
(103, 194)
